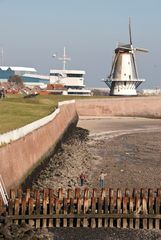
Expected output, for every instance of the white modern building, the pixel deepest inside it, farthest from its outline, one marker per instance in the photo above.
(72, 80)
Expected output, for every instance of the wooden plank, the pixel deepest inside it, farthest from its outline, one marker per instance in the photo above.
(131, 210)
(127, 193)
(69, 194)
(150, 208)
(119, 210)
(23, 210)
(86, 193)
(143, 193)
(79, 206)
(100, 211)
(60, 194)
(137, 212)
(19, 194)
(150, 193)
(111, 224)
(134, 193)
(11, 208)
(157, 211)
(93, 211)
(85, 209)
(38, 208)
(57, 209)
(31, 211)
(51, 207)
(118, 205)
(109, 210)
(28, 194)
(94, 193)
(71, 221)
(103, 193)
(16, 208)
(119, 193)
(111, 193)
(65, 212)
(106, 211)
(77, 193)
(125, 211)
(45, 202)
(12, 194)
(145, 211)
(46, 194)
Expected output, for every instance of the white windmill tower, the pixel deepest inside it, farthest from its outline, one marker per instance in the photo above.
(123, 79)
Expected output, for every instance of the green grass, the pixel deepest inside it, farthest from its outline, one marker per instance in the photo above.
(17, 111)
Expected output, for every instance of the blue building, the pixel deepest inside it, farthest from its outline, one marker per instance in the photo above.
(29, 76)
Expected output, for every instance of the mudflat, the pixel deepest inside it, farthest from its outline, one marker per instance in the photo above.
(127, 149)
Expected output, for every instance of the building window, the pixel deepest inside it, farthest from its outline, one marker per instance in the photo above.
(56, 74)
(74, 75)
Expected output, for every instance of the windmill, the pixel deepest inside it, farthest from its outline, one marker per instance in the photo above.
(123, 79)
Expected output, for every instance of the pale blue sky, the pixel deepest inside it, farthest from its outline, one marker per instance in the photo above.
(32, 30)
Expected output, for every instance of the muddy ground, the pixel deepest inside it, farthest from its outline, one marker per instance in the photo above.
(130, 161)
(25, 232)
(129, 152)
(127, 149)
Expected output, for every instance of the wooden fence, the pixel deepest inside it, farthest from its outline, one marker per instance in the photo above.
(84, 208)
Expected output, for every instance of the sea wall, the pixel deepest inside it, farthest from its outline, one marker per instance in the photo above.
(127, 106)
(23, 149)
(31, 144)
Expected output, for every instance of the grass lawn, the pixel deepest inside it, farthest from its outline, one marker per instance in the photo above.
(17, 111)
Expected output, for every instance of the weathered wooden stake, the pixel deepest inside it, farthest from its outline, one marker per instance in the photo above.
(93, 211)
(144, 203)
(125, 225)
(100, 211)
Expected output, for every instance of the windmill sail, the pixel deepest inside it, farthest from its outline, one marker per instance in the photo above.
(130, 35)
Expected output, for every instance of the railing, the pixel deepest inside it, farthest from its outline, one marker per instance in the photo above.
(84, 208)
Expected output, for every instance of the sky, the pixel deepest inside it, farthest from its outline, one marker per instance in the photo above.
(33, 30)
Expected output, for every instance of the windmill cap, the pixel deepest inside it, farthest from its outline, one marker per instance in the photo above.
(128, 47)
(123, 48)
